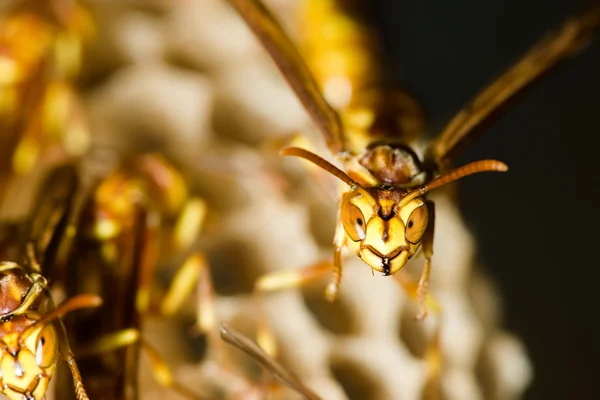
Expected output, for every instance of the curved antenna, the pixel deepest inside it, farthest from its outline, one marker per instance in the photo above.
(460, 172)
(72, 304)
(327, 166)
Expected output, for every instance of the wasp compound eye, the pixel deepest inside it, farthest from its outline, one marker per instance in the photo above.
(353, 221)
(417, 224)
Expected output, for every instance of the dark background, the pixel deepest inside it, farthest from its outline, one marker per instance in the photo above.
(537, 225)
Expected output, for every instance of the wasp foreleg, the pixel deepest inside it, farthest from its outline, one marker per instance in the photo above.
(339, 242)
(423, 287)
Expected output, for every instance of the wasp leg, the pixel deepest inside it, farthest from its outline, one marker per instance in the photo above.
(74, 303)
(411, 289)
(419, 293)
(189, 223)
(148, 232)
(282, 280)
(195, 273)
(433, 359)
(77, 380)
(338, 244)
(123, 338)
(67, 353)
(423, 287)
(288, 279)
(109, 342)
(433, 355)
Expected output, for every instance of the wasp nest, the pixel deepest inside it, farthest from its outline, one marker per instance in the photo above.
(188, 79)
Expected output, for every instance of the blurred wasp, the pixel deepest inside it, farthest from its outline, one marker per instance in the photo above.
(41, 45)
(138, 217)
(41, 123)
(32, 338)
(41, 120)
(385, 216)
(130, 221)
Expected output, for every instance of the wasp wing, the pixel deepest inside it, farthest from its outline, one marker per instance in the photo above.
(293, 68)
(469, 123)
(48, 221)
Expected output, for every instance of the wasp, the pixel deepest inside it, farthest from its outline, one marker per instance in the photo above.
(41, 118)
(32, 337)
(41, 124)
(130, 220)
(135, 218)
(385, 216)
(376, 135)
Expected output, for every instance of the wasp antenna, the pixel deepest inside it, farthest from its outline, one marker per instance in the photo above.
(72, 304)
(466, 170)
(327, 166)
(458, 173)
(315, 159)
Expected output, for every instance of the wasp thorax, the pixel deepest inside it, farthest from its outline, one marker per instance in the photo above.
(383, 234)
(393, 164)
(382, 114)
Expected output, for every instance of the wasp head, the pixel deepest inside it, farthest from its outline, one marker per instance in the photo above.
(386, 225)
(384, 231)
(28, 356)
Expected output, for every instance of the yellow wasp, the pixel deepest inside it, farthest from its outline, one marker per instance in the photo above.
(32, 338)
(385, 216)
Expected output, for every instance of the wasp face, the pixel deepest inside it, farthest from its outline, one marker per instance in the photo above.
(27, 362)
(383, 234)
